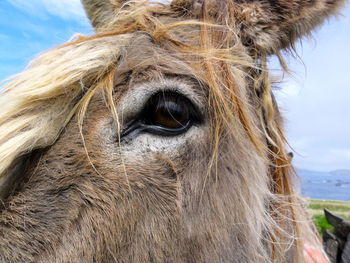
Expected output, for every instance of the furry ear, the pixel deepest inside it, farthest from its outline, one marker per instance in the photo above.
(100, 12)
(272, 25)
(266, 26)
(13, 177)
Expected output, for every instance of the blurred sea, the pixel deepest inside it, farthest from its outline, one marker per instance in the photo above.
(323, 185)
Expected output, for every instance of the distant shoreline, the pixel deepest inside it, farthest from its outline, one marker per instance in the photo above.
(340, 172)
(324, 186)
(344, 172)
(327, 200)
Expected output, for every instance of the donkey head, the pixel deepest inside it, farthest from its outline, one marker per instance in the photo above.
(156, 140)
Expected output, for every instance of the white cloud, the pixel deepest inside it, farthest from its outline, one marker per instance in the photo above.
(65, 9)
(315, 101)
(291, 88)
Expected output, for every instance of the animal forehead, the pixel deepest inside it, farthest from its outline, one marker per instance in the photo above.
(143, 51)
(146, 61)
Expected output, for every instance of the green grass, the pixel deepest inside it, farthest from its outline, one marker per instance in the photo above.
(315, 208)
(335, 206)
(321, 223)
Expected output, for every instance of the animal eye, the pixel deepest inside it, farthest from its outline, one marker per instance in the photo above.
(166, 113)
(168, 110)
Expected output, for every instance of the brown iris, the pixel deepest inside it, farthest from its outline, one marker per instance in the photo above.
(170, 110)
(166, 113)
(170, 114)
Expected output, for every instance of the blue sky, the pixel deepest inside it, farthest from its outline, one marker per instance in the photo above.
(315, 100)
(30, 27)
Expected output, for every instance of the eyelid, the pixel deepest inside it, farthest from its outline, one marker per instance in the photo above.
(139, 124)
(131, 102)
(176, 97)
(139, 127)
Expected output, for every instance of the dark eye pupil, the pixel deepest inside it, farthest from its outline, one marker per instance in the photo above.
(166, 113)
(170, 114)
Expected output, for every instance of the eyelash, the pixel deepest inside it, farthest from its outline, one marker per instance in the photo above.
(170, 108)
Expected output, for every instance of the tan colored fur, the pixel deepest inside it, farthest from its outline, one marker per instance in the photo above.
(222, 192)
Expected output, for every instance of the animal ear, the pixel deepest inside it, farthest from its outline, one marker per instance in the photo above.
(274, 25)
(101, 12)
(332, 219)
(13, 177)
(267, 26)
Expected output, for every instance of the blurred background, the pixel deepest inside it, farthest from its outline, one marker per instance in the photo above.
(315, 98)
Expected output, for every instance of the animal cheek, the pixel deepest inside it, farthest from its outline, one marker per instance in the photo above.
(172, 147)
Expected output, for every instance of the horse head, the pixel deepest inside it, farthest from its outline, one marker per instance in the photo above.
(157, 139)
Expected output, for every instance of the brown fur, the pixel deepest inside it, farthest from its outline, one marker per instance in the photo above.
(222, 192)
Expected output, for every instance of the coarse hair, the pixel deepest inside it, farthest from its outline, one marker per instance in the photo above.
(37, 104)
